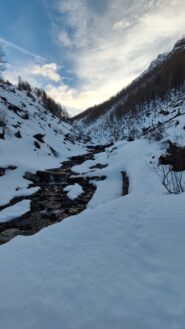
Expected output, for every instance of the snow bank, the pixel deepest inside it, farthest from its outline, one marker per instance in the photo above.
(74, 191)
(118, 265)
(20, 208)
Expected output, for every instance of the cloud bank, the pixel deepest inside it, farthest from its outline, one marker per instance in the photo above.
(47, 71)
(109, 49)
(106, 45)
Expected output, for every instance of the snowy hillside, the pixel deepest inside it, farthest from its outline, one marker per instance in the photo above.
(155, 97)
(152, 122)
(118, 264)
(31, 139)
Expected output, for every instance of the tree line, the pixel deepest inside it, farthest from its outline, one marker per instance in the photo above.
(154, 85)
(47, 101)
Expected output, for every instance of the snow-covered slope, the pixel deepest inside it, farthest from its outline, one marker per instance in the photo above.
(32, 139)
(153, 120)
(151, 98)
(120, 264)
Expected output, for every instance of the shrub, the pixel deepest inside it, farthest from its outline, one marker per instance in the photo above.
(171, 180)
(171, 165)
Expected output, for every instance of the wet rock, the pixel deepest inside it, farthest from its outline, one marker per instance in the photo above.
(2, 134)
(54, 152)
(37, 145)
(18, 134)
(98, 178)
(39, 137)
(125, 184)
(32, 177)
(4, 99)
(14, 108)
(11, 167)
(98, 166)
(2, 171)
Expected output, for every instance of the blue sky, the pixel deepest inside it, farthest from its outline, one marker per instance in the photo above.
(84, 51)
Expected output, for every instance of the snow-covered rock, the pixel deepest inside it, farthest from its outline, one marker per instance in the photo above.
(73, 191)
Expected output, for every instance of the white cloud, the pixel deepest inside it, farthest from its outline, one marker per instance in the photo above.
(47, 71)
(29, 71)
(21, 69)
(64, 39)
(120, 25)
(106, 61)
(74, 99)
(107, 51)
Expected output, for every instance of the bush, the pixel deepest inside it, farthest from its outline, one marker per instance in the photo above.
(175, 157)
(171, 180)
(171, 165)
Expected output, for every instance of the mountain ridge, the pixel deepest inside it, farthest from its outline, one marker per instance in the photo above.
(154, 87)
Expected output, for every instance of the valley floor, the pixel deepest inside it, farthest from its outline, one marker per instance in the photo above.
(119, 264)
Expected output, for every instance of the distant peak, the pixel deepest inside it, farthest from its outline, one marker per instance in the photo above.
(180, 43)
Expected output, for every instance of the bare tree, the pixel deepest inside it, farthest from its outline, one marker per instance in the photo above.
(170, 174)
(171, 180)
(3, 123)
(3, 117)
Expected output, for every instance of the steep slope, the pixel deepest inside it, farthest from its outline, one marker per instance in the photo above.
(153, 97)
(31, 139)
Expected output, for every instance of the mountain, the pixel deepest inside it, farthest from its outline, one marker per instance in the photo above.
(152, 99)
(32, 138)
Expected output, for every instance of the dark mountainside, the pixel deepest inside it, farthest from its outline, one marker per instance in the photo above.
(164, 76)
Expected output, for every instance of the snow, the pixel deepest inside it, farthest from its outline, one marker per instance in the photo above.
(101, 131)
(21, 152)
(74, 191)
(118, 264)
(13, 184)
(20, 208)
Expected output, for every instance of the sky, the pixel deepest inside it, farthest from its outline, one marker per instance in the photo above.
(82, 52)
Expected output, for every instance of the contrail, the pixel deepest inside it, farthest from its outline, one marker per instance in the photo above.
(23, 50)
